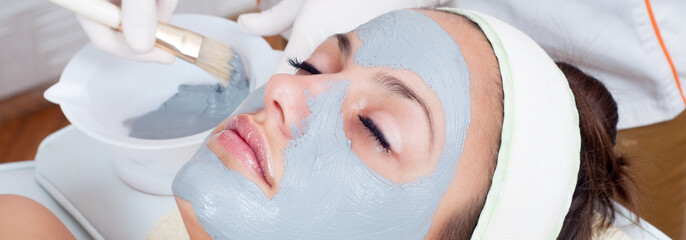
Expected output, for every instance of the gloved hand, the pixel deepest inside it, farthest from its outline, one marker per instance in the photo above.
(312, 21)
(138, 22)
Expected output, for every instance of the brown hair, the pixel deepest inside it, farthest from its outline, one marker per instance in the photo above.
(603, 174)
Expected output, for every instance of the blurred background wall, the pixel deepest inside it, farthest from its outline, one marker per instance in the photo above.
(37, 38)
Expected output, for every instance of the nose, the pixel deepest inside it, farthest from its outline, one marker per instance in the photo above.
(285, 99)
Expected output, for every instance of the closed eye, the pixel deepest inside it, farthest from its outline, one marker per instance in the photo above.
(305, 66)
(375, 132)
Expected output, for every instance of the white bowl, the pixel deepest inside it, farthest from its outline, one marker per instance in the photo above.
(98, 91)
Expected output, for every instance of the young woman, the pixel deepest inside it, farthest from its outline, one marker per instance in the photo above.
(403, 129)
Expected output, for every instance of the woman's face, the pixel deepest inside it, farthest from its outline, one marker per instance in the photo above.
(357, 142)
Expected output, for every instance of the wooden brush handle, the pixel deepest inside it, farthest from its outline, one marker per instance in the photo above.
(100, 11)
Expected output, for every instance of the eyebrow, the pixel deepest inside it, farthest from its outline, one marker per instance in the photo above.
(399, 88)
(343, 43)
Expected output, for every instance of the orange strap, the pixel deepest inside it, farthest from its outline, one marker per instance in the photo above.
(664, 49)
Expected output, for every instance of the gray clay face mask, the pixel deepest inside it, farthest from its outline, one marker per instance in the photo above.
(327, 192)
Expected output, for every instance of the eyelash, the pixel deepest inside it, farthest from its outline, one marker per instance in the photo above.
(375, 131)
(307, 67)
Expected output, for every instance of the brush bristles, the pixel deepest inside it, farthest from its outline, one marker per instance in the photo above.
(215, 58)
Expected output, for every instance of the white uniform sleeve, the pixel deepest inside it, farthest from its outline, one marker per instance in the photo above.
(613, 40)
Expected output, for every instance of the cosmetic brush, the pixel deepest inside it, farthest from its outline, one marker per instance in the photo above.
(211, 55)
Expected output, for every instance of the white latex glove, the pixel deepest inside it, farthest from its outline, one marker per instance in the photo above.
(312, 21)
(138, 22)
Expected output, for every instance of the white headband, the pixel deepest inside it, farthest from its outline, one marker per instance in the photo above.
(538, 162)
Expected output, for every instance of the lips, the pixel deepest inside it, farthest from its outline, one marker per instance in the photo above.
(242, 139)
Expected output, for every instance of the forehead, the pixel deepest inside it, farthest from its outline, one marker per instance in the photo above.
(406, 40)
(410, 40)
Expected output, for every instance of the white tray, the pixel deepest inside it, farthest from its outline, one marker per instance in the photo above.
(77, 171)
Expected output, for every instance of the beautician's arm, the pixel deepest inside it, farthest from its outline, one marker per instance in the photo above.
(312, 21)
